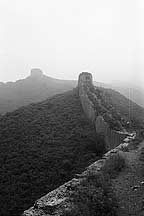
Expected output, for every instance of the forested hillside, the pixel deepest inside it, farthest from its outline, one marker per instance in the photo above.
(126, 107)
(42, 146)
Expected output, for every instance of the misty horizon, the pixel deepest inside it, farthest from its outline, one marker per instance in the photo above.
(112, 82)
(66, 38)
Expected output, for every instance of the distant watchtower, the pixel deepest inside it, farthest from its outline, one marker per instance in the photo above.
(36, 73)
(85, 79)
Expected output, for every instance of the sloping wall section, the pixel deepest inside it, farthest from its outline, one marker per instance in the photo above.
(57, 201)
(112, 137)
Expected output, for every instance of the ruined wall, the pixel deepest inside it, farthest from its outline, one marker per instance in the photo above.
(87, 105)
(101, 125)
(112, 138)
(55, 202)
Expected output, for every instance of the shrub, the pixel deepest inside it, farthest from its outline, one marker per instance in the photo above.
(114, 164)
(98, 147)
(93, 197)
(125, 148)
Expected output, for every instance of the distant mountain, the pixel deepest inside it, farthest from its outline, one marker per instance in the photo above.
(134, 93)
(34, 88)
(38, 87)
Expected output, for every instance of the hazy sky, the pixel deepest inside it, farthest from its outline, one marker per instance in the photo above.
(65, 37)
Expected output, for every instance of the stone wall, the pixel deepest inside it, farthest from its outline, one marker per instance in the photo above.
(85, 80)
(58, 200)
(112, 138)
(87, 105)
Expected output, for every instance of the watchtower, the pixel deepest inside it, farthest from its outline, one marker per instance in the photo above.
(85, 79)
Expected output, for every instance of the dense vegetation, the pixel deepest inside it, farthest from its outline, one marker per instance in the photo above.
(42, 146)
(123, 108)
(117, 110)
(93, 197)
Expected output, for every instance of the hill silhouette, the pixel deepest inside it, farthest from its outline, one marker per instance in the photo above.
(35, 88)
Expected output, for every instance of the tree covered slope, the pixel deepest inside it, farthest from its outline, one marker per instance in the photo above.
(42, 146)
(126, 107)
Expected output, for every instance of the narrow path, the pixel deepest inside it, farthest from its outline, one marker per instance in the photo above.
(129, 185)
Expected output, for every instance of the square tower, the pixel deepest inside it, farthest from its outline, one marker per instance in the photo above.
(85, 79)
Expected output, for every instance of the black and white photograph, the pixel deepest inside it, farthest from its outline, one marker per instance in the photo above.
(71, 107)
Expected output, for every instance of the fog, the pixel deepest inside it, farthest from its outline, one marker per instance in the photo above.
(66, 37)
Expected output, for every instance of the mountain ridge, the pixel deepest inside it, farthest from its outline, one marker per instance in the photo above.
(36, 88)
(32, 89)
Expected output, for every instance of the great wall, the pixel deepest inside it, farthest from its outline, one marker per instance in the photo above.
(116, 140)
(90, 103)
